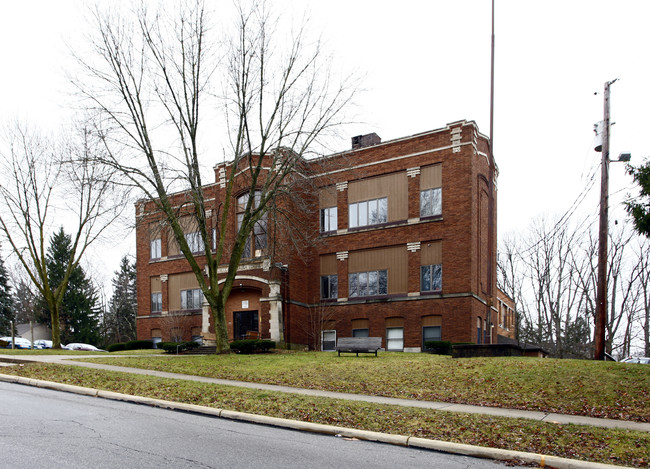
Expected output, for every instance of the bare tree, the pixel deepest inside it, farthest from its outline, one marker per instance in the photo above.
(623, 294)
(552, 276)
(321, 317)
(553, 279)
(150, 81)
(510, 277)
(40, 185)
(177, 324)
(644, 285)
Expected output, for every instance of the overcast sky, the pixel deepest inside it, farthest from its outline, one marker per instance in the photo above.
(427, 63)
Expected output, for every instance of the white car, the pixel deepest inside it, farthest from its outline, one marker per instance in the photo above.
(642, 360)
(42, 343)
(83, 347)
(20, 343)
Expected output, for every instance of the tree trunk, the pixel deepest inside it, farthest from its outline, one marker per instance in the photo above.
(220, 328)
(56, 327)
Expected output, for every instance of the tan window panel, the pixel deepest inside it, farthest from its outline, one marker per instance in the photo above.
(431, 177)
(328, 265)
(327, 197)
(155, 285)
(360, 324)
(431, 321)
(431, 253)
(394, 322)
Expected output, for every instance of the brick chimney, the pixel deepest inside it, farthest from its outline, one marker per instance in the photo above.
(367, 140)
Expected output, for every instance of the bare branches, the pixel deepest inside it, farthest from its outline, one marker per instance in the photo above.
(552, 277)
(48, 183)
(149, 83)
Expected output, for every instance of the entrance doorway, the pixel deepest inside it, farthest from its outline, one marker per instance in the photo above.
(245, 321)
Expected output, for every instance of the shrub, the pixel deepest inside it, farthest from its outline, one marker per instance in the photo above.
(252, 346)
(139, 344)
(116, 347)
(170, 347)
(191, 345)
(439, 347)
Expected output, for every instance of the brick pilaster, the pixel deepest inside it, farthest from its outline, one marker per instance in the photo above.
(164, 288)
(413, 268)
(342, 206)
(342, 272)
(413, 176)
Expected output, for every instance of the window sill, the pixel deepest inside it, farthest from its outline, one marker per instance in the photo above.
(431, 292)
(377, 226)
(394, 224)
(370, 298)
(431, 217)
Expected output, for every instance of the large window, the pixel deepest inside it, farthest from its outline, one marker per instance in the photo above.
(156, 302)
(395, 339)
(360, 333)
(431, 277)
(155, 248)
(328, 219)
(371, 283)
(191, 299)
(431, 202)
(194, 241)
(329, 286)
(257, 242)
(259, 236)
(368, 212)
(430, 333)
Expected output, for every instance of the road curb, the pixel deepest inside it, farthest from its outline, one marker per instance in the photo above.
(413, 442)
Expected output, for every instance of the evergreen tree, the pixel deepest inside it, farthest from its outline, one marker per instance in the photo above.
(79, 306)
(639, 208)
(25, 302)
(120, 317)
(7, 312)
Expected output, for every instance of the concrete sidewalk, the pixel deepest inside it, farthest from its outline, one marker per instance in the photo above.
(441, 406)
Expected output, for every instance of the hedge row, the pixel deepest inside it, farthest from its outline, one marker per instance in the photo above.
(252, 346)
(131, 345)
(439, 347)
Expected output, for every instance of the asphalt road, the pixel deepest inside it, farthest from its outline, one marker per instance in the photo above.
(44, 428)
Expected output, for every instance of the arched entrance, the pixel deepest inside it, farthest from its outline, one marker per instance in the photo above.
(244, 311)
(254, 305)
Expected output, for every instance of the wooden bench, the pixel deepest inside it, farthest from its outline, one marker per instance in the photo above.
(358, 345)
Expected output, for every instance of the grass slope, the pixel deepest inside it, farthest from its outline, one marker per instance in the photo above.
(578, 442)
(577, 387)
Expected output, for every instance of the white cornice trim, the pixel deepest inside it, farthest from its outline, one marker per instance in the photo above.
(388, 160)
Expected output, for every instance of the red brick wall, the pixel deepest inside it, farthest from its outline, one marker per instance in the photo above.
(462, 230)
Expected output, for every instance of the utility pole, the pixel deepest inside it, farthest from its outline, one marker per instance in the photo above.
(601, 289)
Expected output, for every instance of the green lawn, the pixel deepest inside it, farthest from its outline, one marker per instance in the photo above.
(580, 387)
(619, 447)
(4, 351)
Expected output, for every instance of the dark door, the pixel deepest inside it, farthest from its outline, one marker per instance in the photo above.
(245, 321)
